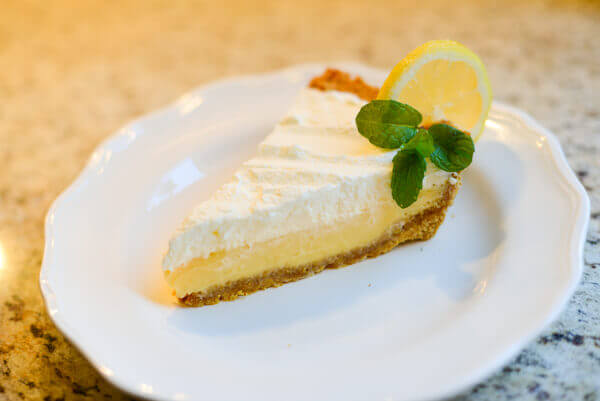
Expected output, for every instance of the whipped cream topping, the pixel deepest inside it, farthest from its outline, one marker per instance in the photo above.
(314, 169)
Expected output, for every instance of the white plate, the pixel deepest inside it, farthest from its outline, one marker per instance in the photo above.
(421, 322)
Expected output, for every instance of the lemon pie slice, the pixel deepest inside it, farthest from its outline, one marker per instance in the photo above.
(316, 196)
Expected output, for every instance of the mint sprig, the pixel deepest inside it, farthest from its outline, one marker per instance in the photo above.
(393, 125)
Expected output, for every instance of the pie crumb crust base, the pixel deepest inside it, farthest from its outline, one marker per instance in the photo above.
(421, 227)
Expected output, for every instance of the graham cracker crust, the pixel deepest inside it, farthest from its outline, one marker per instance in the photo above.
(421, 227)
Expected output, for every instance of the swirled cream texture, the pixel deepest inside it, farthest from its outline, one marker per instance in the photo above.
(313, 170)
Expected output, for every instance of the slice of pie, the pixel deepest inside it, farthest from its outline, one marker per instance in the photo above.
(316, 196)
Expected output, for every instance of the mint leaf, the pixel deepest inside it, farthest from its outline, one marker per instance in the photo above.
(391, 125)
(422, 142)
(407, 177)
(388, 123)
(453, 148)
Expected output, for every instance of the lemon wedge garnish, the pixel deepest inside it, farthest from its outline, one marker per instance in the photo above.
(444, 81)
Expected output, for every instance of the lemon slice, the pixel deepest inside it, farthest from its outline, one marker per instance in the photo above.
(445, 81)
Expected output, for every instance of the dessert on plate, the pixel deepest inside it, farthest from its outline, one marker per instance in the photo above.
(349, 173)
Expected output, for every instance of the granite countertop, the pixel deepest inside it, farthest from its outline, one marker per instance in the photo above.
(74, 72)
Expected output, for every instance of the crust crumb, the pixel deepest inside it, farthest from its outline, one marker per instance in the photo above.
(333, 79)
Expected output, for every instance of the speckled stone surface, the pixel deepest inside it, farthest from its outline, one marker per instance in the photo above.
(73, 72)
